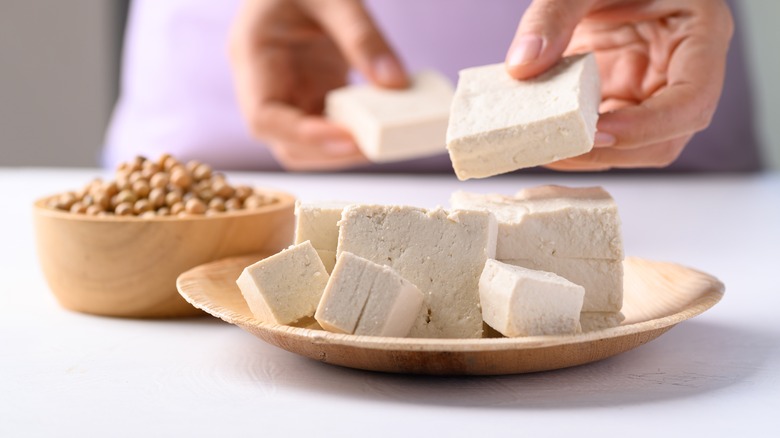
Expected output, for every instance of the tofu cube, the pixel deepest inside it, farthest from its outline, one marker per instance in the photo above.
(393, 125)
(285, 287)
(591, 321)
(522, 302)
(440, 252)
(573, 232)
(328, 259)
(551, 221)
(365, 298)
(499, 124)
(602, 279)
(317, 222)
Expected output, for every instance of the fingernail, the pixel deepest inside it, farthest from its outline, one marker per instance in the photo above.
(525, 50)
(604, 140)
(340, 147)
(388, 72)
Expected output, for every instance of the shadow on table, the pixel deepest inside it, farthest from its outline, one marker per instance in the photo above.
(693, 358)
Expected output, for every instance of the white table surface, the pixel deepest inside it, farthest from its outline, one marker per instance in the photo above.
(68, 374)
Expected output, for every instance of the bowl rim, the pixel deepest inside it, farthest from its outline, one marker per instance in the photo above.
(286, 199)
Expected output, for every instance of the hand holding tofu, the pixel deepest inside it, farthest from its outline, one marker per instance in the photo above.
(662, 72)
(283, 71)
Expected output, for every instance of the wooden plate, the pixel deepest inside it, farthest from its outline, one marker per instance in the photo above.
(657, 296)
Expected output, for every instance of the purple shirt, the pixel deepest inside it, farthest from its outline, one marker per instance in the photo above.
(176, 92)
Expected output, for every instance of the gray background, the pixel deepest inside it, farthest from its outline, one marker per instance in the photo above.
(59, 66)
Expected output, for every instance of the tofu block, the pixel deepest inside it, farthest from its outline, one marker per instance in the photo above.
(365, 298)
(393, 125)
(499, 124)
(346, 294)
(440, 252)
(591, 321)
(523, 302)
(328, 259)
(317, 223)
(551, 221)
(602, 279)
(285, 287)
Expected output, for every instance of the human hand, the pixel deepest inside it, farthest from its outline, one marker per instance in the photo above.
(662, 65)
(286, 55)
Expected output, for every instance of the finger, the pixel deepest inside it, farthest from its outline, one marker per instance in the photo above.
(656, 155)
(543, 34)
(610, 104)
(358, 37)
(312, 164)
(576, 167)
(303, 142)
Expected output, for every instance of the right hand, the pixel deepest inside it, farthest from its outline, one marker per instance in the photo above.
(286, 55)
(662, 66)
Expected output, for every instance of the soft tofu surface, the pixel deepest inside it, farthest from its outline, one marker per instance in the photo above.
(393, 125)
(392, 307)
(346, 294)
(551, 221)
(328, 259)
(602, 279)
(499, 124)
(285, 287)
(522, 302)
(590, 321)
(440, 252)
(316, 222)
(365, 298)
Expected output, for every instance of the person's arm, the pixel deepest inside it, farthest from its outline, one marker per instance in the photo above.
(662, 66)
(286, 55)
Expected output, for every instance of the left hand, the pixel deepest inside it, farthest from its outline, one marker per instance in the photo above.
(662, 65)
(286, 55)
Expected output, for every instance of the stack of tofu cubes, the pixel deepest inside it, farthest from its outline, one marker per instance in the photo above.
(545, 261)
(572, 232)
(399, 271)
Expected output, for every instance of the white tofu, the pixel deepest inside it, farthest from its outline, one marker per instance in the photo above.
(365, 298)
(499, 124)
(346, 294)
(328, 259)
(440, 252)
(392, 307)
(285, 287)
(393, 125)
(316, 222)
(551, 221)
(522, 302)
(591, 321)
(602, 279)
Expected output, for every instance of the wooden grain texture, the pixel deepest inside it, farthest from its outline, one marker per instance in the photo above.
(127, 266)
(658, 295)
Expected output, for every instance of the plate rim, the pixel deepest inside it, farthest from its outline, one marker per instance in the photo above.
(707, 300)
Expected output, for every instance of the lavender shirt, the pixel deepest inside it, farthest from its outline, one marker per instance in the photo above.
(176, 92)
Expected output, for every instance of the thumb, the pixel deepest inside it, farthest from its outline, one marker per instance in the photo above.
(364, 46)
(543, 34)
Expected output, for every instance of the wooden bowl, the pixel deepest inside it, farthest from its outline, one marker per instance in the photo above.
(127, 266)
(657, 296)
